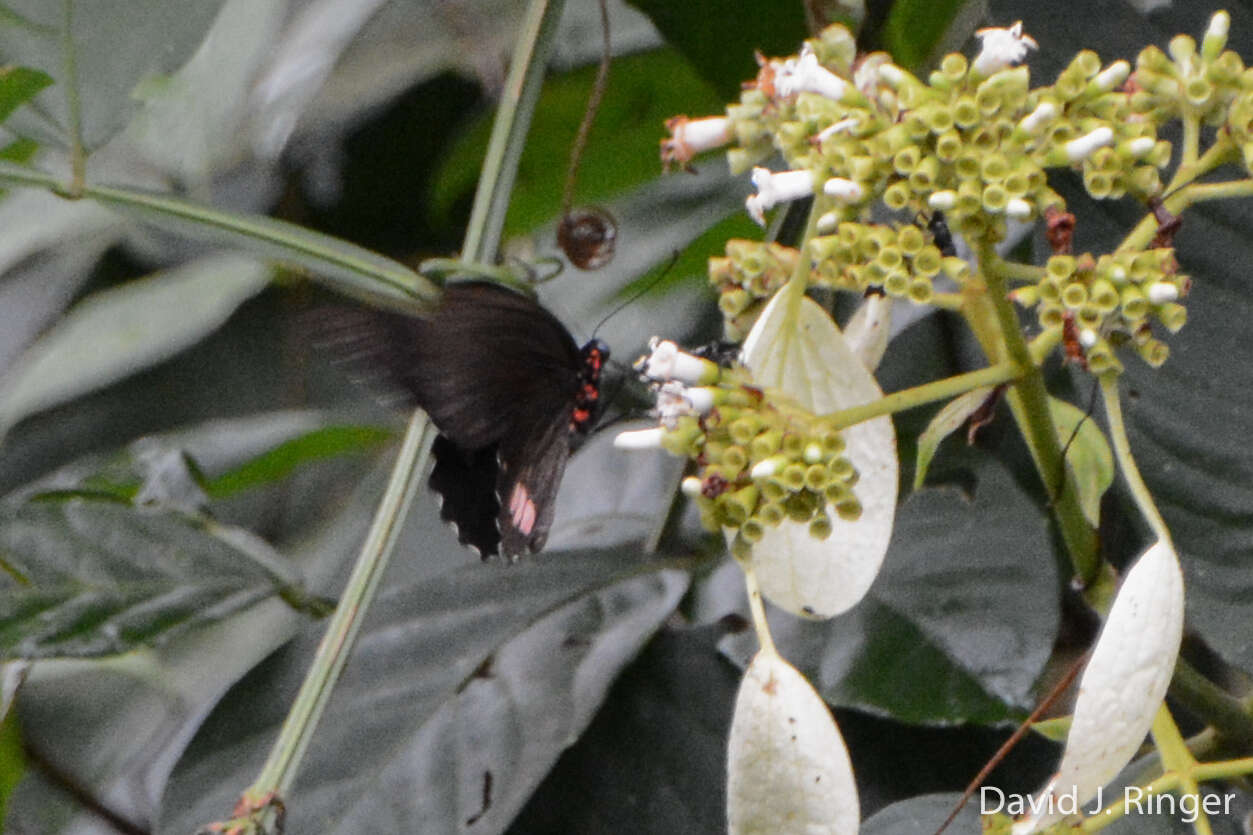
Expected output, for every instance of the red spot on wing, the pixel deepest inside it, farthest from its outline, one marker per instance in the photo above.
(522, 509)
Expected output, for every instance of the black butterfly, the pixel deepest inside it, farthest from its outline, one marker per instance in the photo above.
(509, 391)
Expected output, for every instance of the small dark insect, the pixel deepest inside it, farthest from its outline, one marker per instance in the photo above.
(720, 351)
(588, 237)
(509, 391)
(940, 233)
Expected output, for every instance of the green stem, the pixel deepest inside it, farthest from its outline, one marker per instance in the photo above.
(513, 119)
(482, 237)
(1225, 713)
(1126, 462)
(1178, 759)
(1029, 402)
(1177, 197)
(899, 401)
(74, 115)
(1014, 270)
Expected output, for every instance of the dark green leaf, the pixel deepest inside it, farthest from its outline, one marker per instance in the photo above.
(916, 31)
(12, 759)
(85, 578)
(20, 151)
(719, 37)
(17, 86)
(622, 151)
(279, 462)
(922, 816)
(489, 669)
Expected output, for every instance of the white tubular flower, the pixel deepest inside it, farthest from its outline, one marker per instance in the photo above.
(942, 201)
(1112, 76)
(640, 439)
(827, 222)
(1044, 113)
(1122, 686)
(674, 400)
(806, 75)
(690, 486)
(1001, 48)
(1161, 292)
(1087, 337)
(1141, 147)
(1018, 209)
(777, 187)
(666, 362)
(892, 75)
(846, 192)
(689, 137)
(1080, 149)
(842, 126)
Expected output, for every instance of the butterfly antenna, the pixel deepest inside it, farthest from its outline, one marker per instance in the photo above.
(640, 291)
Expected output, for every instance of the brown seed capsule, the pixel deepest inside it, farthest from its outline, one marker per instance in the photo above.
(587, 236)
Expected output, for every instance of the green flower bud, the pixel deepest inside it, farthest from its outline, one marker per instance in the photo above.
(820, 527)
(910, 239)
(921, 291)
(1103, 295)
(836, 492)
(966, 112)
(1051, 289)
(841, 469)
(1172, 315)
(685, 439)
(752, 530)
(956, 268)
(741, 548)
(733, 302)
(948, 145)
(745, 428)
(793, 477)
(906, 159)
(1027, 296)
(1074, 294)
(793, 445)
(1134, 306)
(896, 196)
(774, 490)
(734, 508)
(938, 116)
(816, 477)
(890, 257)
(1088, 316)
(954, 67)
(1098, 184)
(800, 506)
(771, 513)
(765, 444)
(995, 197)
(896, 283)
(1050, 315)
(925, 175)
(734, 457)
(832, 441)
(927, 262)
(1154, 352)
(1101, 358)
(988, 101)
(849, 510)
(1017, 182)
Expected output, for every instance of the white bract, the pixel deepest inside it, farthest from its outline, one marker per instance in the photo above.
(794, 347)
(788, 771)
(1123, 685)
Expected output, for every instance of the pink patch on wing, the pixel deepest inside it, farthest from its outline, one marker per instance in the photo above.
(522, 509)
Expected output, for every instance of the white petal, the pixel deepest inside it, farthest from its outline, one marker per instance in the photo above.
(639, 439)
(788, 770)
(802, 353)
(867, 332)
(1125, 680)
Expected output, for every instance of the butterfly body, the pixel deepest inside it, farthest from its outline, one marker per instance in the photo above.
(509, 391)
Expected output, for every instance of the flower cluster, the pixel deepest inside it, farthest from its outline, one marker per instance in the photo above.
(1110, 301)
(746, 278)
(761, 458)
(1202, 83)
(900, 260)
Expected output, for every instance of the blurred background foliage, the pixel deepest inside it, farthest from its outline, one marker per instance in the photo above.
(186, 477)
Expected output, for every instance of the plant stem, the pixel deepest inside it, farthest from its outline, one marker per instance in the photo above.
(899, 401)
(758, 610)
(74, 114)
(1126, 462)
(1224, 712)
(1178, 759)
(279, 772)
(513, 119)
(1029, 401)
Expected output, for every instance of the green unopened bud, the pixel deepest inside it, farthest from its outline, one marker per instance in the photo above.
(956, 268)
(849, 510)
(841, 469)
(1088, 316)
(995, 198)
(896, 196)
(927, 262)
(793, 445)
(734, 458)
(1017, 182)
(921, 291)
(793, 476)
(1134, 306)
(1074, 294)
(988, 101)
(1215, 36)
(736, 507)
(1051, 289)
(966, 112)
(890, 257)
(925, 175)
(752, 530)
(1181, 49)
(800, 506)
(896, 283)
(765, 444)
(836, 492)
(773, 489)
(1154, 352)
(1027, 296)
(772, 513)
(685, 439)
(832, 441)
(744, 428)
(954, 67)
(1051, 315)
(906, 159)
(1173, 316)
(1103, 295)
(816, 477)
(1101, 358)
(732, 302)
(938, 116)
(741, 548)
(948, 145)
(820, 527)
(1098, 184)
